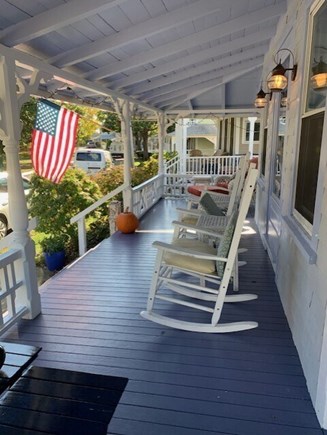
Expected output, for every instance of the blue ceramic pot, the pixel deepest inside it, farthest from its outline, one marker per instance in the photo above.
(55, 261)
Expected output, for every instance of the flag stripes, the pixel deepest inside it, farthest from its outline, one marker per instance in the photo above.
(53, 140)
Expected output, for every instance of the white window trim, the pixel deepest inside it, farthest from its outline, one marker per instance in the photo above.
(306, 234)
(245, 122)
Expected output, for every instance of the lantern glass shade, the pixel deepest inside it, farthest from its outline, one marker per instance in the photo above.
(260, 103)
(283, 101)
(319, 77)
(277, 82)
(319, 81)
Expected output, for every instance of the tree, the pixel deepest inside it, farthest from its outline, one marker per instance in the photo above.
(27, 117)
(110, 120)
(87, 124)
(142, 130)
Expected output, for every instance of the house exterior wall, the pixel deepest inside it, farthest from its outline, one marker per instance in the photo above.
(207, 146)
(300, 267)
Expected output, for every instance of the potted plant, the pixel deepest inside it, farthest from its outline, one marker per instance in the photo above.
(54, 251)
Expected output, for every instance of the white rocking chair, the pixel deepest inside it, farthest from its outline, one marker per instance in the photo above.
(179, 263)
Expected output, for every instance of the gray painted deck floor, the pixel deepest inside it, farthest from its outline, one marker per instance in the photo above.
(246, 383)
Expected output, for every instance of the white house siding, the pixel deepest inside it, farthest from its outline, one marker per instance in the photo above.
(302, 286)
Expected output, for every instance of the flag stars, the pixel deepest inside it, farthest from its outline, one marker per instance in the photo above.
(46, 120)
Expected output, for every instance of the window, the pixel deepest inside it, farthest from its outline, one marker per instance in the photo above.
(311, 130)
(310, 144)
(88, 157)
(256, 135)
(264, 152)
(278, 162)
(316, 99)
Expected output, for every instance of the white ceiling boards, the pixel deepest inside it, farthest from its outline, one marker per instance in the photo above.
(166, 54)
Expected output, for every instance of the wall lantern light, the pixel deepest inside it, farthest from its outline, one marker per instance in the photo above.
(277, 80)
(283, 99)
(261, 101)
(319, 77)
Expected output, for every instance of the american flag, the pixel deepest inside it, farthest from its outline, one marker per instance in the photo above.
(53, 140)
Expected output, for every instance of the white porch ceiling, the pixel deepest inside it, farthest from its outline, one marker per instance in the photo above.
(167, 54)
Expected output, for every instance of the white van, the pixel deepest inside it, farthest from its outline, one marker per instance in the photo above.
(92, 160)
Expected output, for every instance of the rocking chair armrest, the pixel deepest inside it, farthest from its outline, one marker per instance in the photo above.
(190, 212)
(184, 251)
(206, 231)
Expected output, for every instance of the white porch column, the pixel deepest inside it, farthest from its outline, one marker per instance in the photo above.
(127, 141)
(10, 133)
(181, 143)
(252, 120)
(161, 141)
(217, 124)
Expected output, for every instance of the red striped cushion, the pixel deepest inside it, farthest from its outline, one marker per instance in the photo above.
(199, 188)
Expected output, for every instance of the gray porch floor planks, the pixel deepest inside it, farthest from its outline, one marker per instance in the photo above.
(247, 383)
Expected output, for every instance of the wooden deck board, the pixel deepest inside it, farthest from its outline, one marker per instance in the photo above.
(247, 383)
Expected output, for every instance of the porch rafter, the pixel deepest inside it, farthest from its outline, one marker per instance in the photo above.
(31, 63)
(202, 56)
(156, 86)
(150, 27)
(194, 91)
(188, 42)
(53, 19)
(221, 76)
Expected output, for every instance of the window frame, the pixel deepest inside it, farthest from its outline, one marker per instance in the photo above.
(306, 231)
(246, 130)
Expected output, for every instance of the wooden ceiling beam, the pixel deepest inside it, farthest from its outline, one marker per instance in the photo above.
(195, 40)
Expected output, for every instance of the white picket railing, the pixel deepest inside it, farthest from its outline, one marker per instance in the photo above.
(147, 194)
(80, 217)
(12, 288)
(172, 166)
(144, 197)
(176, 185)
(11, 310)
(212, 165)
(204, 165)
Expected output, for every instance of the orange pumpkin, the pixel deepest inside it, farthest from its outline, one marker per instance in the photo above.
(127, 222)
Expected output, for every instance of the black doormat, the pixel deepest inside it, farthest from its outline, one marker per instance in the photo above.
(60, 402)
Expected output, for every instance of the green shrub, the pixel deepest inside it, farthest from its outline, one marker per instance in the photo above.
(55, 204)
(111, 178)
(54, 243)
(168, 155)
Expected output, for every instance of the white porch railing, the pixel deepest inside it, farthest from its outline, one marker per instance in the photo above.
(80, 217)
(173, 166)
(204, 165)
(147, 194)
(144, 197)
(176, 183)
(212, 165)
(13, 297)
(11, 309)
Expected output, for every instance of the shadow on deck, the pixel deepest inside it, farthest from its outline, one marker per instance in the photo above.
(246, 383)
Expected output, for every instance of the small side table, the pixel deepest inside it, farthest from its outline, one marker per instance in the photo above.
(18, 358)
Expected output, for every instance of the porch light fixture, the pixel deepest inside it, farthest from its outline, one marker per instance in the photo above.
(261, 101)
(319, 78)
(277, 80)
(283, 99)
